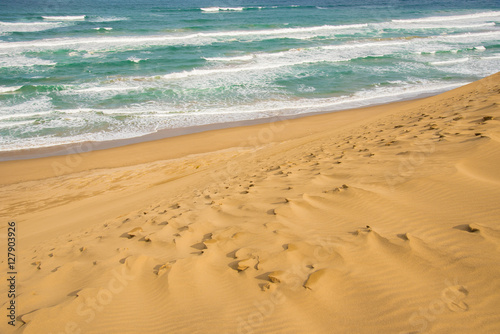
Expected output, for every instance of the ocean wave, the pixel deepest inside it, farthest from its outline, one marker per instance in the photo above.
(204, 38)
(237, 58)
(7, 27)
(121, 111)
(106, 19)
(491, 57)
(218, 71)
(101, 89)
(11, 89)
(11, 124)
(13, 144)
(198, 38)
(29, 89)
(143, 119)
(391, 91)
(16, 116)
(450, 62)
(217, 9)
(375, 95)
(147, 118)
(103, 28)
(135, 59)
(22, 61)
(35, 106)
(469, 37)
(294, 7)
(65, 18)
(481, 15)
(266, 62)
(440, 25)
(259, 67)
(357, 45)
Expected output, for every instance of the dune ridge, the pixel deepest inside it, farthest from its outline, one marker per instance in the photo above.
(382, 219)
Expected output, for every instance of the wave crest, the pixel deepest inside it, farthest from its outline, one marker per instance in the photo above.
(64, 18)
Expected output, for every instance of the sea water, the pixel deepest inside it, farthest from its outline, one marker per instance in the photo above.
(77, 71)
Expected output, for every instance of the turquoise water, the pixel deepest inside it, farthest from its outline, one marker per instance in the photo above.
(99, 70)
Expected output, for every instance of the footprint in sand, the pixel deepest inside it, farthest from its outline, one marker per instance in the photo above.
(454, 297)
(471, 228)
(133, 232)
(162, 269)
(251, 262)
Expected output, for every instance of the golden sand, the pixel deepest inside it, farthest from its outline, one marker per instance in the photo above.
(376, 220)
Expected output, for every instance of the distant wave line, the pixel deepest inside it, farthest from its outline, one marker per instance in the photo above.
(64, 18)
(216, 9)
(450, 18)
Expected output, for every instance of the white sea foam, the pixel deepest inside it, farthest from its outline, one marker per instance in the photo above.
(358, 45)
(237, 58)
(23, 115)
(491, 15)
(378, 94)
(107, 42)
(491, 57)
(134, 59)
(267, 62)
(470, 36)
(362, 98)
(9, 144)
(101, 89)
(11, 124)
(22, 61)
(7, 27)
(217, 9)
(146, 118)
(480, 48)
(103, 28)
(222, 36)
(173, 39)
(124, 111)
(11, 89)
(323, 28)
(106, 19)
(217, 71)
(36, 106)
(450, 62)
(210, 9)
(434, 25)
(64, 18)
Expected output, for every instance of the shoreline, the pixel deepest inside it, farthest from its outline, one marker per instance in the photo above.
(184, 145)
(89, 146)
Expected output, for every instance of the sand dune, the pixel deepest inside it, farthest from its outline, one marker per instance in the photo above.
(377, 220)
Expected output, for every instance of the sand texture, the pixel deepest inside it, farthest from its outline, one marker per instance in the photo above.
(377, 220)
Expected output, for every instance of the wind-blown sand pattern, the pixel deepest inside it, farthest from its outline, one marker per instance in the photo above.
(378, 220)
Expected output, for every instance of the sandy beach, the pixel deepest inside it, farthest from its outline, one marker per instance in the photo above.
(383, 219)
